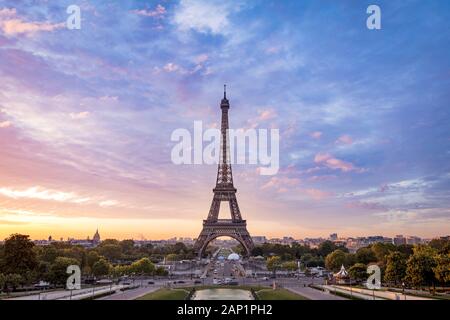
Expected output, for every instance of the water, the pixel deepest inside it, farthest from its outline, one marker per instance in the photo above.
(222, 294)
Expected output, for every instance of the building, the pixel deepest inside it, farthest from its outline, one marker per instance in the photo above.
(259, 239)
(399, 240)
(87, 243)
(96, 238)
(413, 240)
(333, 236)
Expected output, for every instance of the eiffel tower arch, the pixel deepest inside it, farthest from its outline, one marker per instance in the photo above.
(213, 227)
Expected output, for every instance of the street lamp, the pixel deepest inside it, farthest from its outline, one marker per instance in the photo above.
(403, 290)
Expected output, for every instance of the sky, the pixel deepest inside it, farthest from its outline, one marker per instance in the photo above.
(86, 116)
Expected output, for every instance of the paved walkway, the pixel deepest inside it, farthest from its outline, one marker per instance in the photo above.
(379, 294)
(312, 294)
(132, 294)
(67, 295)
(352, 293)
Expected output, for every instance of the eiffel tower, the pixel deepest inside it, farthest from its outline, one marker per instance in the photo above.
(213, 227)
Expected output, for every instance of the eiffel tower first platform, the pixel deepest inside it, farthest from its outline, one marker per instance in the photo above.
(213, 227)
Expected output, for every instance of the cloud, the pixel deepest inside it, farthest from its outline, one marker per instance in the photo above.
(281, 183)
(40, 193)
(109, 98)
(79, 115)
(11, 24)
(201, 58)
(344, 139)
(266, 114)
(334, 163)
(158, 12)
(366, 205)
(317, 194)
(108, 203)
(316, 134)
(5, 124)
(172, 67)
(204, 16)
(263, 115)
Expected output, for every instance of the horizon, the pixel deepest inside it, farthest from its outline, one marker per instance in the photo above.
(325, 237)
(86, 116)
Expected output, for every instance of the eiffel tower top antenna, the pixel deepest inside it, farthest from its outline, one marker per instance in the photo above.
(224, 91)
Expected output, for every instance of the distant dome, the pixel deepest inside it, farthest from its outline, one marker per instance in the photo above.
(233, 256)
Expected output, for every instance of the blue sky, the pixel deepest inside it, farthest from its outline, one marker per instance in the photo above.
(87, 115)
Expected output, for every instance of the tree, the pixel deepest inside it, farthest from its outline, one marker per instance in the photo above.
(395, 267)
(257, 251)
(160, 271)
(91, 258)
(19, 256)
(120, 270)
(143, 266)
(309, 260)
(273, 263)
(172, 257)
(381, 251)
(327, 247)
(442, 268)
(358, 272)
(290, 265)
(101, 268)
(179, 248)
(365, 255)
(419, 268)
(2, 281)
(127, 247)
(442, 246)
(13, 280)
(58, 270)
(46, 253)
(335, 260)
(111, 251)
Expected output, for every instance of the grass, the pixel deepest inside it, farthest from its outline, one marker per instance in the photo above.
(166, 294)
(278, 294)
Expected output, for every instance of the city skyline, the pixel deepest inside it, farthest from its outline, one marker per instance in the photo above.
(86, 116)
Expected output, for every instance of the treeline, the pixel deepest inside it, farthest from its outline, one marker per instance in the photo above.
(415, 266)
(286, 256)
(23, 263)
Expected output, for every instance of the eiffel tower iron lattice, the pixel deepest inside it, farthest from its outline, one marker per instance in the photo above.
(213, 227)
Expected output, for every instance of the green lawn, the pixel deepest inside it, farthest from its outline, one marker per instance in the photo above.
(166, 294)
(278, 294)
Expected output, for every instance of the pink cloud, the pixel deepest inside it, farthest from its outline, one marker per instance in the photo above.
(365, 205)
(344, 139)
(158, 12)
(263, 115)
(11, 24)
(79, 115)
(317, 194)
(201, 58)
(316, 134)
(281, 183)
(171, 67)
(322, 178)
(333, 163)
(267, 114)
(5, 124)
